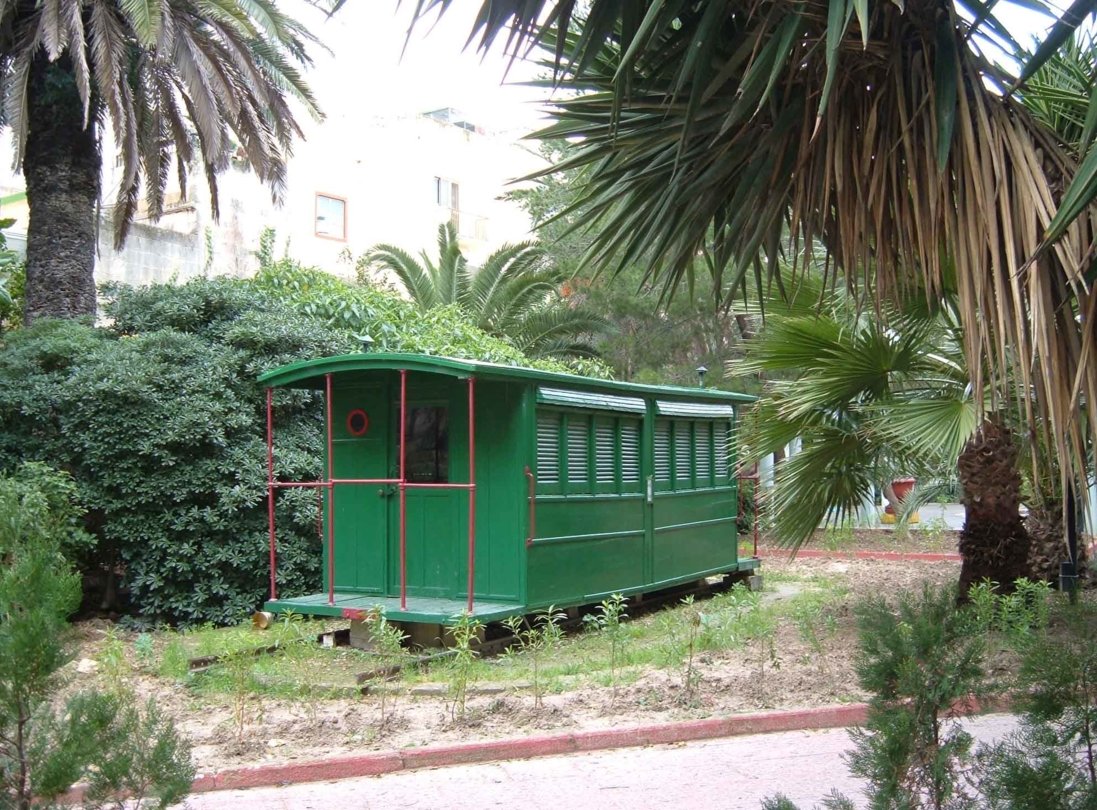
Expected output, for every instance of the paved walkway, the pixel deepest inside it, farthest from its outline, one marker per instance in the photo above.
(725, 774)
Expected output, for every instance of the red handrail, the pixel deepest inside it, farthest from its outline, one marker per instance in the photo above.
(472, 490)
(331, 494)
(270, 493)
(403, 490)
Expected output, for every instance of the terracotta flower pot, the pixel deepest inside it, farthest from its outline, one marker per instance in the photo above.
(895, 492)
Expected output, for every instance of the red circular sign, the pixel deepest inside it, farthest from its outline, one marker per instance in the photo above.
(357, 422)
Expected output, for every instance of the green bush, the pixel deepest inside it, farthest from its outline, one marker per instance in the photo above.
(104, 740)
(917, 659)
(160, 420)
(1052, 760)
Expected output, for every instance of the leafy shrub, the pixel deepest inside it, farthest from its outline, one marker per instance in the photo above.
(917, 659)
(160, 420)
(396, 325)
(1052, 760)
(102, 738)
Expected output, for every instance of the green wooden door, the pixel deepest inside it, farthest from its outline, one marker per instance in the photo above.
(436, 518)
(360, 444)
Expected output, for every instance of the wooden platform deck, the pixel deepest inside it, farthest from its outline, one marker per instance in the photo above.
(419, 608)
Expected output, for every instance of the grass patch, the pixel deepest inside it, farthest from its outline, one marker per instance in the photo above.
(604, 655)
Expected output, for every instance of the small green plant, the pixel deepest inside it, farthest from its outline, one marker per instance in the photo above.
(609, 618)
(691, 617)
(934, 532)
(465, 632)
(535, 639)
(112, 661)
(815, 622)
(144, 650)
(1052, 760)
(174, 660)
(238, 666)
(838, 537)
(1016, 615)
(918, 659)
(832, 801)
(47, 745)
(387, 641)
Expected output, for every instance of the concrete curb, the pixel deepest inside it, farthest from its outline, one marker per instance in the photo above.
(898, 556)
(382, 762)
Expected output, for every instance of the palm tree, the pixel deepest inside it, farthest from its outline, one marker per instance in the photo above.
(882, 129)
(179, 80)
(515, 295)
(872, 396)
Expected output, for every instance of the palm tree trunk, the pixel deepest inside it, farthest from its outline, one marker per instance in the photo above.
(61, 166)
(993, 544)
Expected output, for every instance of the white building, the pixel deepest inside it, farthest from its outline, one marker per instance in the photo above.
(350, 186)
(390, 161)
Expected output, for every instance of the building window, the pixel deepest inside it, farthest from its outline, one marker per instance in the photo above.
(331, 217)
(447, 194)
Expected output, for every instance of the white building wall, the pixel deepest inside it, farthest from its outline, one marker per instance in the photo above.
(384, 169)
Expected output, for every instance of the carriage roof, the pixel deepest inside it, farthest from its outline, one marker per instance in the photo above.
(311, 373)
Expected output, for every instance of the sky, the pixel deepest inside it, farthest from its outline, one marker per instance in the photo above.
(369, 65)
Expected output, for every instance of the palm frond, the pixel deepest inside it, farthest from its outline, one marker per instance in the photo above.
(143, 18)
(891, 144)
(416, 280)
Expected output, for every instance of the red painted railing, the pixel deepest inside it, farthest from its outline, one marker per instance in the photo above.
(401, 482)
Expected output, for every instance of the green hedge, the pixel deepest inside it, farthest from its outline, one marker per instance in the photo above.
(161, 423)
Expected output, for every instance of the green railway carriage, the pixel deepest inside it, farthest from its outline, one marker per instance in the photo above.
(458, 485)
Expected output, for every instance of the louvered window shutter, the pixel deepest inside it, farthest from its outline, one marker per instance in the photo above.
(578, 441)
(630, 451)
(702, 451)
(723, 440)
(605, 467)
(548, 447)
(682, 462)
(662, 450)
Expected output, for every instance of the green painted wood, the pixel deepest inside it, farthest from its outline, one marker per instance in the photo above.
(361, 510)
(436, 519)
(500, 493)
(310, 374)
(592, 538)
(693, 531)
(583, 399)
(419, 609)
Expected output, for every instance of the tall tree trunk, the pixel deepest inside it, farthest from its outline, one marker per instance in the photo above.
(993, 544)
(61, 167)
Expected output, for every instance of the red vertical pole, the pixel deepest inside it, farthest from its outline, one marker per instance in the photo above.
(270, 491)
(331, 495)
(403, 490)
(472, 489)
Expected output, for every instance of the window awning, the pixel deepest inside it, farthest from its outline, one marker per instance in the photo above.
(702, 410)
(586, 399)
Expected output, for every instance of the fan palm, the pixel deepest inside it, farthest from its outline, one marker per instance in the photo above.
(870, 400)
(882, 129)
(513, 296)
(178, 80)
(872, 397)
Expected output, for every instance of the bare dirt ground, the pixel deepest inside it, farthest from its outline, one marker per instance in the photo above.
(784, 670)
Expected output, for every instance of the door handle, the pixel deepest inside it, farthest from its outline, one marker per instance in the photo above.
(651, 489)
(385, 492)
